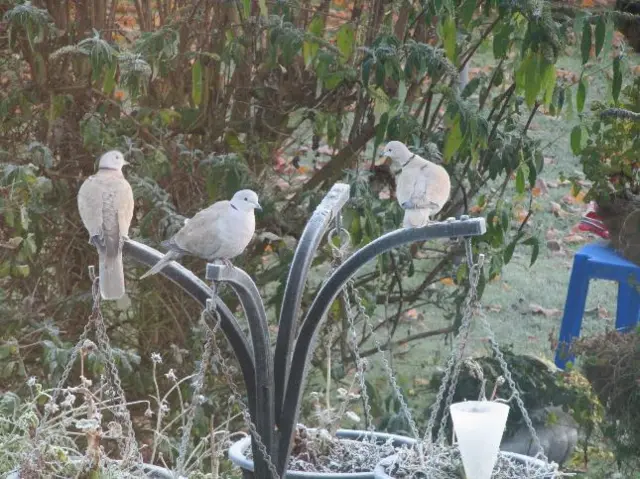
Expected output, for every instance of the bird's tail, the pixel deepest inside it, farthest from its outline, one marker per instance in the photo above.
(111, 275)
(168, 257)
(416, 218)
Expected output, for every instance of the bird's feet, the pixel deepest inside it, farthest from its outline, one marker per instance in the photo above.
(226, 263)
(408, 205)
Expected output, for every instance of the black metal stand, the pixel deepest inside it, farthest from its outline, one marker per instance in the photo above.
(275, 383)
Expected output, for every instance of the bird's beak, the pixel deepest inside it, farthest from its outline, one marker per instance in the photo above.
(125, 162)
(382, 159)
(258, 207)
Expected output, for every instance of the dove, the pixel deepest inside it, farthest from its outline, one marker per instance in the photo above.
(105, 203)
(422, 186)
(220, 232)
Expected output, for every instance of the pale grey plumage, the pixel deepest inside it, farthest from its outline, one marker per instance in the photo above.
(105, 203)
(422, 187)
(220, 232)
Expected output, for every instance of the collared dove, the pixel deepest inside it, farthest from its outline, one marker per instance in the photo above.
(220, 232)
(422, 186)
(105, 202)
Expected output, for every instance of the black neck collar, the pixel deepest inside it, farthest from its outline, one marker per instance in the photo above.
(107, 168)
(409, 160)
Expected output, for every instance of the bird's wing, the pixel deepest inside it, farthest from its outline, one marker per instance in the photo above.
(90, 205)
(201, 233)
(431, 186)
(125, 203)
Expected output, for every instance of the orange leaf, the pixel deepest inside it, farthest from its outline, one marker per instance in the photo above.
(447, 281)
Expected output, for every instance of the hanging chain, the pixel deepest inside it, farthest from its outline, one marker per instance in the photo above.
(338, 254)
(385, 362)
(212, 311)
(514, 389)
(198, 384)
(128, 446)
(454, 363)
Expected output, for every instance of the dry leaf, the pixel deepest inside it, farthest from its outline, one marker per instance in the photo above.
(557, 210)
(574, 239)
(542, 186)
(547, 312)
(447, 281)
(554, 245)
(493, 308)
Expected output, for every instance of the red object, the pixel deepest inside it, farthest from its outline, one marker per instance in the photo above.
(593, 223)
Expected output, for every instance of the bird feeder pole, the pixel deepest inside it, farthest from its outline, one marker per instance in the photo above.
(274, 384)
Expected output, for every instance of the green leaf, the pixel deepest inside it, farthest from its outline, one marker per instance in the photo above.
(532, 80)
(345, 41)
(549, 83)
(581, 96)
(196, 82)
(508, 251)
(109, 82)
(467, 10)
(501, 41)
(576, 140)
(585, 45)
(21, 270)
(616, 86)
(381, 130)
(449, 35)
(247, 8)
(520, 181)
(310, 47)
(535, 248)
(263, 8)
(453, 140)
(601, 31)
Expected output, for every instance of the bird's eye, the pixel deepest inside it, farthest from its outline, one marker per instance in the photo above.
(246, 199)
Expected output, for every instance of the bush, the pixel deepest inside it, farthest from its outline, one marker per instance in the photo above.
(611, 362)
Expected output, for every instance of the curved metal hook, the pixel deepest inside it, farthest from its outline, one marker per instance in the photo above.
(249, 297)
(330, 290)
(310, 239)
(198, 290)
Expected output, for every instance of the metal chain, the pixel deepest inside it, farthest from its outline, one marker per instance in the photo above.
(514, 388)
(385, 362)
(338, 256)
(468, 313)
(128, 447)
(459, 346)
(226, 371)
(198, 385)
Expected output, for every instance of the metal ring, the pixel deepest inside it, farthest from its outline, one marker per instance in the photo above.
(345, 239)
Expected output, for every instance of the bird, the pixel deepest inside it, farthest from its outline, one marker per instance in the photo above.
(105, 203)
(220, 232)
(423, 187)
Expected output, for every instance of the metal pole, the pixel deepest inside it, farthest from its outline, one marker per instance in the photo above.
(249, 296)
(296, 282)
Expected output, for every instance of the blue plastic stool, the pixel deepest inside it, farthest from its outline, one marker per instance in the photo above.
(601, 262)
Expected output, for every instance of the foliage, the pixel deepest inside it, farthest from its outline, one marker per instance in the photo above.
(74, 437)
(610, 362)
(206, 97)
(610, 157)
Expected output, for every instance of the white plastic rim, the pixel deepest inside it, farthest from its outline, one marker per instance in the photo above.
(479, 426)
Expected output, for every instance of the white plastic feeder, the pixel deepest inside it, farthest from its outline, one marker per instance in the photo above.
(479, 426)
